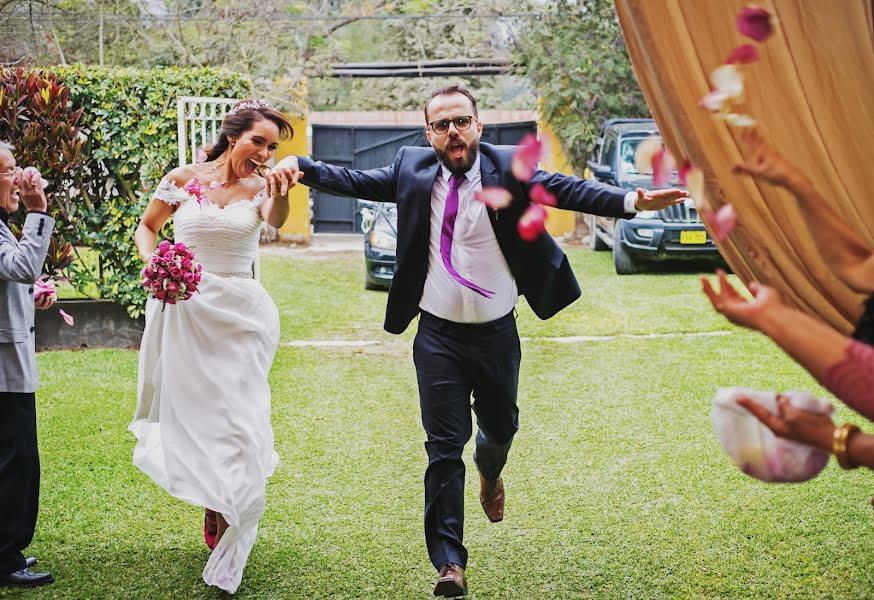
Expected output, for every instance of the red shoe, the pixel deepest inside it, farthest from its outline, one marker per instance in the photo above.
(210, 528)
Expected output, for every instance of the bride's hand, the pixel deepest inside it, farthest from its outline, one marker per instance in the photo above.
(280, 179)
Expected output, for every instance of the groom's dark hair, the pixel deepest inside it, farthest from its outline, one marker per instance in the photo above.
(448, 91)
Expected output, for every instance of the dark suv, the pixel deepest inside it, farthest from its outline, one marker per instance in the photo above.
(673, 233)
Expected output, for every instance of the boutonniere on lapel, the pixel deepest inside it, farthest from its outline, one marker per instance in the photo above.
(532, 223)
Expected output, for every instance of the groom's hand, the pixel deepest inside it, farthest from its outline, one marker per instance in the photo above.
(658, 199)
(289, 166)
(283, 176)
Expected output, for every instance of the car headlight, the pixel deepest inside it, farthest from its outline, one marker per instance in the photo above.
(647, 214)
(382, 239)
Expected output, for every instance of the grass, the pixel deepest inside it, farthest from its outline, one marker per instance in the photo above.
(616, 485)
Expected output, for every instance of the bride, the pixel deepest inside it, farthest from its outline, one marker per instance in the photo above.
(203, 403)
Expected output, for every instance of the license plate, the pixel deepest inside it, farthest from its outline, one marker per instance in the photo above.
(693, 237)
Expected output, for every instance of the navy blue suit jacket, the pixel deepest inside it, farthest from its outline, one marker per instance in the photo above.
(542, 272)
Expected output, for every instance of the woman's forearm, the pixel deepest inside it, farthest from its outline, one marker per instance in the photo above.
(145, 240)
(812, 343)
(842, 365)
(851, 257)
(860, 450)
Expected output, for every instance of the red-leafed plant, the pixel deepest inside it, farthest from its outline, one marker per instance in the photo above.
(37, 119)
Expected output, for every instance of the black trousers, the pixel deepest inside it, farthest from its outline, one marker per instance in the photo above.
(19, 478)
(452, 361)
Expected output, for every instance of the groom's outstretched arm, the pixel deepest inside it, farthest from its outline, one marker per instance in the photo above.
(378, 185)
(596, 198)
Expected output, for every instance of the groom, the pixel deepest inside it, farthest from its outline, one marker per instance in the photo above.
(461, 268)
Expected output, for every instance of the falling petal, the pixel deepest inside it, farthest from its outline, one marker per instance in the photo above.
(755, 22)
(215, 185)
(715, 101)
(532, 222)
(67, 318)
(738, 120)
(684, 171)
(199, 156)
(722, 222)
(728, 80)
(662, 166)
(540, 195)
(644, 154)
(744, 54)
(494, 197)
(526, 157)
(695, 183)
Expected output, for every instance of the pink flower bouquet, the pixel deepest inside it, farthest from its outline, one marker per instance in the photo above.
(171, 275)
(758, 452)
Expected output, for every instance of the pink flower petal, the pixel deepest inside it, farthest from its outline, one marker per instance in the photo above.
(494, 197)
(722, 222)
(526, 158)
(684, 171)
(755, 22)
(215, 185)
(199, 155)
(744, 54)
(532, 222)
(662, 167)
(67, 318)
(539, 195)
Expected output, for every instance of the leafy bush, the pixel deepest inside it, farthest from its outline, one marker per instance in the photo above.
(129, 116)
(36, 117)
(577, 62)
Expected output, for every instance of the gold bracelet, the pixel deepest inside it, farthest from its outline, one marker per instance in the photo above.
(839, 445)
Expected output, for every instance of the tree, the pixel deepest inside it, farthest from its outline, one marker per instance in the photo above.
(577, 63)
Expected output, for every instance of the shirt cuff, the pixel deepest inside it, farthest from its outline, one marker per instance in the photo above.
(630, 199)
(42, 212)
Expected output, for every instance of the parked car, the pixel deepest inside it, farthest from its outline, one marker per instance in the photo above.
(379, 222)
(674, 233)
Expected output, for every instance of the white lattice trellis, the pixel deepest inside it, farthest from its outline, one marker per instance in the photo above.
(199, 120)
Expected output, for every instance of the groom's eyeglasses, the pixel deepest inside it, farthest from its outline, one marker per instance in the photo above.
(442, 126)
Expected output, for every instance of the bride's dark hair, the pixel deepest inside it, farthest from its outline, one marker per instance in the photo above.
(240, 119)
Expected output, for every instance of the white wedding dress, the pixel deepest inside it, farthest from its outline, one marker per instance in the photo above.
(203, 403)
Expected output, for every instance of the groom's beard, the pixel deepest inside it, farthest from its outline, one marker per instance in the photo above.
(461, 165)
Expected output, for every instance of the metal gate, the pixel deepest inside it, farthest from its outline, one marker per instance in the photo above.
(370, 147)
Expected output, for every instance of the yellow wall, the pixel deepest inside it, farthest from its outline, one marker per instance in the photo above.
(559, 222)
(297, 227)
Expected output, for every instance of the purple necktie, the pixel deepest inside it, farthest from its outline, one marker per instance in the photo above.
(449, 215)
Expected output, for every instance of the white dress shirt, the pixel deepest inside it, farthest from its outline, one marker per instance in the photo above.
(476, 256)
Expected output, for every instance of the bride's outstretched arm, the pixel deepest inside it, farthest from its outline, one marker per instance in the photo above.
(155, 216)
(276, 207)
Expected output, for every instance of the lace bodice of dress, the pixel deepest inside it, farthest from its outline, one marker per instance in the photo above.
(225, 240)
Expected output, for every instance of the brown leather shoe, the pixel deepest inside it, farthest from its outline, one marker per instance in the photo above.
(451, 581)
(491, 496)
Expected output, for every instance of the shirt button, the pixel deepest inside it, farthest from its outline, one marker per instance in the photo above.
(30, 290)
(31, 329)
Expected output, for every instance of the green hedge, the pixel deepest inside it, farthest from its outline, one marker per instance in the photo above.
(129, 117)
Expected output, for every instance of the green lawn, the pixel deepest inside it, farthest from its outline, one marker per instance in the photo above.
(616, 486)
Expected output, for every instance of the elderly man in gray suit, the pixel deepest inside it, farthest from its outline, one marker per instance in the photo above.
(20, 265)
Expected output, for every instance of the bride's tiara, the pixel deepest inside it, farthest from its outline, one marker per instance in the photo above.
(248, 105)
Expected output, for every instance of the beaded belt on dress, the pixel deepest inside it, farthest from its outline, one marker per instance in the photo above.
(243, 274)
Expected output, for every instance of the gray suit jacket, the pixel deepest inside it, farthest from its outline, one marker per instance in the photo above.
(20, 266)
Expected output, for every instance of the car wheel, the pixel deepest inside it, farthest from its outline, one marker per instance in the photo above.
(595, 241)
(623, 262)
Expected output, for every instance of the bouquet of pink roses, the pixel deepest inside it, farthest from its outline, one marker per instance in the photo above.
(171, 275)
